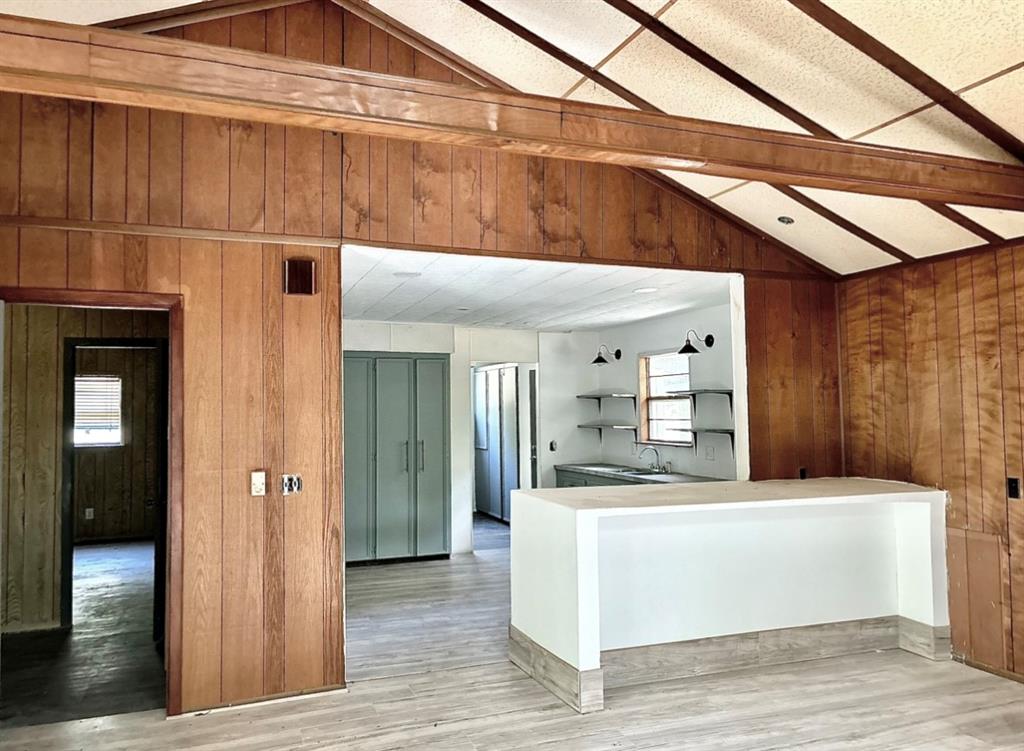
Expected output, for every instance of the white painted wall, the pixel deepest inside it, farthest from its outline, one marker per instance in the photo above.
(564, 371)
(712, 368)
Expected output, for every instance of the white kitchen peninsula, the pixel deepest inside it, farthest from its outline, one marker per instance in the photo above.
(631, 584)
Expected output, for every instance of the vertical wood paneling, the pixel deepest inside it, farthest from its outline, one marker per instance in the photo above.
(466, 197)
(617, 216)
(333, 525)
(757, 380)
(555, 208)
(304, 564)
(779, 359)
(202, 570)
(512, 204)
(110, 162)
(273, 503)
(243, 447)
(963, 408)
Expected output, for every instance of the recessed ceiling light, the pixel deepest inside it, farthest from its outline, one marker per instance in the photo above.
(406, 274)
(645, 290)
(786, 219)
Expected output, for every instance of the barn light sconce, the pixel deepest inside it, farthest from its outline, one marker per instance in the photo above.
(689, 349)
(601, 359)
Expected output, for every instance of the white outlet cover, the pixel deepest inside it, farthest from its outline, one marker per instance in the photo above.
(90, 514)
(258, 483)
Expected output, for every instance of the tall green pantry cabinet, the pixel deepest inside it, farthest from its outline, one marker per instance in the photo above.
(397, 483)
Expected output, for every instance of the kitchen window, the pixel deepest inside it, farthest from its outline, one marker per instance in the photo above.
(97, 411)
(664, 414)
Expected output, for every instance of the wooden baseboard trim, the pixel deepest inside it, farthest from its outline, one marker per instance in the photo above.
(1002, 673)
(581, 690)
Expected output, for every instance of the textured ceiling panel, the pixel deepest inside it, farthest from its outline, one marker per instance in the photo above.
(1006, 224)
(936, 130)
(514, 292)
(909, 225)
(656, 71)
(1002, 99)
(87, 11)
(957, 42)
(705, 185)
(789, 55)
(762, 205)
(462, 30)
(586, 29)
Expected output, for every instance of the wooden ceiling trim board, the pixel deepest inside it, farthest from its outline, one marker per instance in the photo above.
(210, 10)
(857, 37)
(385, 22)
(559, 54)
(704, 59)
(91, 64)
(421, 43)
(964, 221)
(684, 45)
(846, 224)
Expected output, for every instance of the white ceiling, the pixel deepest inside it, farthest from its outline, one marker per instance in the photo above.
(514, 292)
(87, 11)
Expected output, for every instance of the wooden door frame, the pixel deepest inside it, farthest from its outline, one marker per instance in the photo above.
(174, 305)
(70, 347)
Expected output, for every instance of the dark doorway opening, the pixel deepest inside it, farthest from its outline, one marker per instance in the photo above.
(104, 654)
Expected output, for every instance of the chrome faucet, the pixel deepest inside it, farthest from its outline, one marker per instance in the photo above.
(657, 457)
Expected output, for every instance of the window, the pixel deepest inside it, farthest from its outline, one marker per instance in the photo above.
(97, 411)
(664, 414)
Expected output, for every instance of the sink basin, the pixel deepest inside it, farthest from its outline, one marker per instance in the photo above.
(642, 472)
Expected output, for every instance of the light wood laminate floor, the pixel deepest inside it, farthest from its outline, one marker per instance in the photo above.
(459, 693)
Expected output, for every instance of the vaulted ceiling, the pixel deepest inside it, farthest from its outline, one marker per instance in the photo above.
(931, 75)
(776, 64)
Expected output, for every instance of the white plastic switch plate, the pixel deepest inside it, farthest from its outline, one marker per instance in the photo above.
(258, 483)
(90, 514)
(709, 453)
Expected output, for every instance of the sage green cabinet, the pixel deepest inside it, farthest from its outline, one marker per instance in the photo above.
(396, 456)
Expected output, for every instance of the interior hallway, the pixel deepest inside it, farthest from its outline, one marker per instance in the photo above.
(107, 663)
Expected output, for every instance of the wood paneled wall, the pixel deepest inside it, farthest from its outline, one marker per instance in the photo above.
(31, 478)
(79, 161)
(932, 374)
(120, 483)
(261, 600)
(793, 379)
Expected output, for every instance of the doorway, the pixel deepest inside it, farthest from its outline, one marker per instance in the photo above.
(86, 418)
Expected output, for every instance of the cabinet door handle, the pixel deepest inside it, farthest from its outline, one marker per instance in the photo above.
(405, 454)
(423, 455)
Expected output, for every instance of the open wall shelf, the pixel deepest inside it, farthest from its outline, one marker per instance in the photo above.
(600, 427)
(599, 396)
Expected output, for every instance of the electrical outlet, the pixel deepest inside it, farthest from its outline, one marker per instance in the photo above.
(257, 483)
(803, 473)
(90, 514)
(709, 453)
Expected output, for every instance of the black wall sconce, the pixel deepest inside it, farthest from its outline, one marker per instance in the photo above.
(601, 359)
(300, 276)
(689, 349)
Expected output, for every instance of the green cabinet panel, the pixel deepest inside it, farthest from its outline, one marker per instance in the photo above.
(395, 449)
(359, 507)
(431, 458)
(397, 457)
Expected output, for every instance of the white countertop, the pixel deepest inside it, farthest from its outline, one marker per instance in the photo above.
(646, 498)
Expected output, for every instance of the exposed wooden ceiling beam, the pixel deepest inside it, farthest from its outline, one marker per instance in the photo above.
(944, 97)
(704, 59)
(63, 60)
(682, 44)
(209, 10)
(560, 55)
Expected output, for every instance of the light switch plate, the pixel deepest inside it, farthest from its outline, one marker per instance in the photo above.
(90, 514)
(709, 453)
(258, 483)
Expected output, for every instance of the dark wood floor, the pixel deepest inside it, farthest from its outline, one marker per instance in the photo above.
(107, 663)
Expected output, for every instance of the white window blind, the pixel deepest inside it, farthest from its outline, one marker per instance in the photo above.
(97, 411)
